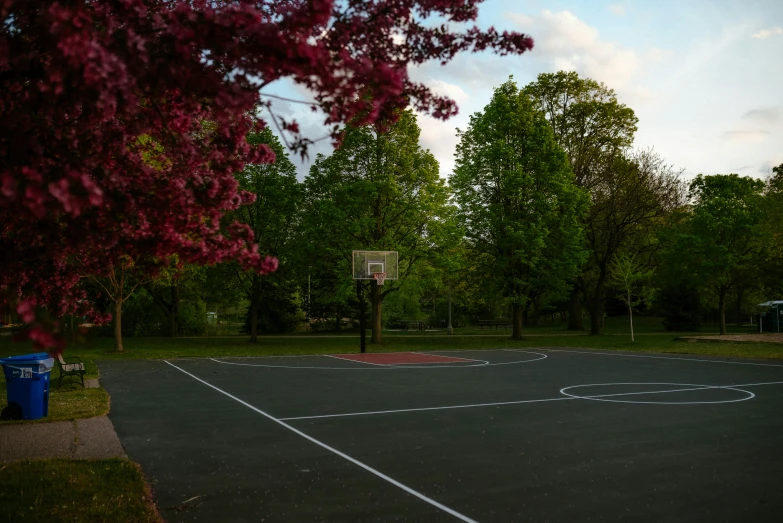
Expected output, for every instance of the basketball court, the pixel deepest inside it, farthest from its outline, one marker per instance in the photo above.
(495, 435)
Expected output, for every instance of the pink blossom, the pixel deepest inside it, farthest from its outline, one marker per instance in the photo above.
(26, 309)
(109, 153)
(269, 265)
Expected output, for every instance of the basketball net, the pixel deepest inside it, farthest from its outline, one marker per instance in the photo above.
(379, 277)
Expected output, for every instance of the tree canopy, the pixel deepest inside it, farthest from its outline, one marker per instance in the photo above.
(586, 119)
(518, 199)
(273, 218)
(720, 240)
(378, 191)
(122, 123)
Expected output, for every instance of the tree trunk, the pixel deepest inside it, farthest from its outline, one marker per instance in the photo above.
(362, 329)
(630, 315)
(254, 318)
(449, 328)
(516, 321)
(597, 316)
(118, 326)
(722, 309)
(575, 322)
(536, 316)
(740, 292)
(597, 307)
(375, 298)
(174, 312)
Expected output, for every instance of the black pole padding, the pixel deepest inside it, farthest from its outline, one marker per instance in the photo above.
(362, 333)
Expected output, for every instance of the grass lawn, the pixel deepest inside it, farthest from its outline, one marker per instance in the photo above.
(650, 337)
(82, 490)
(68, 403)
(71, 401)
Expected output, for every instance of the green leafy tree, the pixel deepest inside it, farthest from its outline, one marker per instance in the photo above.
(722, 241)
(272, 218)
(586, 119)
(633, 279)
(173, 285)
(637, 192)
(120, 282)
(772, 227)
(223, 295)
(518, 199)
(450, 260)
(378, 191)
(592, 127)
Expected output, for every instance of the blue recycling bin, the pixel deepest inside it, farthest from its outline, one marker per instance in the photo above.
(27, 385)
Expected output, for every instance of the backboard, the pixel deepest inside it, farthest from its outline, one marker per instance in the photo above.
(367, 263)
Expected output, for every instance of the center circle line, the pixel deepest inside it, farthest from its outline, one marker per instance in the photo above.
(691, 387)
(388, 367)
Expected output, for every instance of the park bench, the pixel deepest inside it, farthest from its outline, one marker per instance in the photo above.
(70, 366)
(494, 323)
(410, 324)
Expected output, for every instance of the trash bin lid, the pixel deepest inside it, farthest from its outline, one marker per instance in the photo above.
(38, 357)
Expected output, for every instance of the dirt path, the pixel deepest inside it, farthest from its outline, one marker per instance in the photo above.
(771, 337)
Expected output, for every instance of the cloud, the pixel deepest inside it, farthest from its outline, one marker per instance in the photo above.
(766, 33)
(476, 72)
(657, 55)
(568, 43)
(702, 58)
(618, 9)
(638, 95)
(438, 136)
(766, 115)
(311, 123)
(745, 136)
(766, 167)
(453, 91)
(756, 125)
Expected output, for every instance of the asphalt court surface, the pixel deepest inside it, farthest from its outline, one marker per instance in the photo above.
(495, 435)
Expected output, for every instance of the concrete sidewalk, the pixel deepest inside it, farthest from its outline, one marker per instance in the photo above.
(91, 438)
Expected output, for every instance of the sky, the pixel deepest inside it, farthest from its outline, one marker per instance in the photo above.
(705, 78)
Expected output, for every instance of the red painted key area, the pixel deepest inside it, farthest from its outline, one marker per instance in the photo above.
(399, 358)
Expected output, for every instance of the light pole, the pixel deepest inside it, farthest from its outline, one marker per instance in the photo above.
(449, 328)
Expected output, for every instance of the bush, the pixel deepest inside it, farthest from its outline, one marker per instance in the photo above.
(680, 306)
(140, 317)
(192, 318)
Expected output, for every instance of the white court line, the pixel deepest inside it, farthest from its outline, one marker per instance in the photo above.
(758, 384)
(602, 397)
(428, 408)
(502, 403)
(455, 363)
(463, 359)
(378, 366)
(335, 451)
(425, 364)
(654, 357)
(354, 361)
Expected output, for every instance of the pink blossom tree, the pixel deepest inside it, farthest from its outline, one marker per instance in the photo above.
(122, 121)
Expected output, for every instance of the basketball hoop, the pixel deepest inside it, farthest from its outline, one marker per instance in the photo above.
(379, 277)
